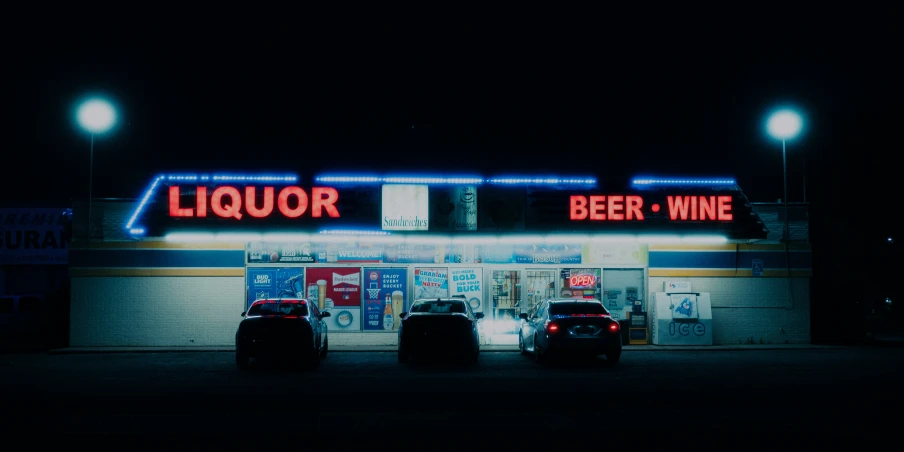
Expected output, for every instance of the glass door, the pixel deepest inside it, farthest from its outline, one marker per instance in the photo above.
(539, 285)
(505, 295)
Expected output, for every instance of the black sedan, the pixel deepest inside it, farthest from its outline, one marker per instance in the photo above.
(439, 325)
(282, 328)
(570, 326)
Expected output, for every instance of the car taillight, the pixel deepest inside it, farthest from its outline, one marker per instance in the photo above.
(613, 327)
(552, 327)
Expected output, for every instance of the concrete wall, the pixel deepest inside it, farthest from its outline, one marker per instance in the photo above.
(155, 311)
(754, 310)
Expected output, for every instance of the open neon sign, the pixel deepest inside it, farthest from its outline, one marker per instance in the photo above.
(631, 208)
(228, 202)
(583, 280)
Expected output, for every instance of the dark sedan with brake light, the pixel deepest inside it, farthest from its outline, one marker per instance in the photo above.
(438, 325)
(282, 328)
(569, 325)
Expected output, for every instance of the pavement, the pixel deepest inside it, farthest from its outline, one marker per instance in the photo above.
(483, 348)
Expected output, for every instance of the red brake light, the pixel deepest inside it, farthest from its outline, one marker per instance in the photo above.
(589, 315)
(613, 327)
(552, 327)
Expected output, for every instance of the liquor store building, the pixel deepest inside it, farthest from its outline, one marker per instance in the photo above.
(678, 262)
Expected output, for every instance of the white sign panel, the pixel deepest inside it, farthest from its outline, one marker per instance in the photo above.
(467, 282)
(405, 208)
(677, 286)
(681, 319)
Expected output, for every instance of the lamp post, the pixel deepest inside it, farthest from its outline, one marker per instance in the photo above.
(95, 116)
(784, 125)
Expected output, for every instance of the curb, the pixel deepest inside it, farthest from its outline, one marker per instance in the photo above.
(385, 349)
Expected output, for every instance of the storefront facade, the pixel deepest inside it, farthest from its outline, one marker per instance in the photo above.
(678, 261)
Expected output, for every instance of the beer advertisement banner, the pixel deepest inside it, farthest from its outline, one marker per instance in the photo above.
(271, 282)
(431, 282)
(468, 282)
(33, 237)
(337, 291)
(266, 253)
(384, 298)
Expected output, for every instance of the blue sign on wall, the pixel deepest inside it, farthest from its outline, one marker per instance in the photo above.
(274, 282)
(384, 287)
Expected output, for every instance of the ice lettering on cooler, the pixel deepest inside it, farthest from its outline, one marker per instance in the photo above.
(387, 314)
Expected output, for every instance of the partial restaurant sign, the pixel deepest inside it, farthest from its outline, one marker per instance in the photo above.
(405, 208)
(453, 208)
(33, 236)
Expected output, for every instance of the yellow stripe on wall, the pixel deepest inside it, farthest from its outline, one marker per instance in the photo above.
(158, 245)
(777, 273)
(109, 272)
(731, 247)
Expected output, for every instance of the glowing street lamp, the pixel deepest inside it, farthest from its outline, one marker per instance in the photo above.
(784, 125)
(95, 116)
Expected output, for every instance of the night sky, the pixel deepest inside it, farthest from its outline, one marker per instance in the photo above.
(456, 106)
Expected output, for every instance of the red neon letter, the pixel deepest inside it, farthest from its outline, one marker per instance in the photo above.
(597, 205)
(634, 205)
(283, 202)
(201, 194)
(615, 207)
(725, 208)
(174, 210)
(708, 208)
(232, 210)
(678, 206)
(252, 209)
(578, 207)
(318, 202)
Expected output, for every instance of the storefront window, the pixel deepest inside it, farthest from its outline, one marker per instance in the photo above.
(541, 285)
(337, 291)
(580, 283)
(623, 291)
(384, 298)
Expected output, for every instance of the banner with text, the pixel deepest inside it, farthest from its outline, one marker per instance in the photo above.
(469, 282)
(33, 237)
(271, 282)
(431, 283)
(384, 298)
(337, 291)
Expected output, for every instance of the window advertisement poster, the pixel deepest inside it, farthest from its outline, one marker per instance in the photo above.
(498, 254)
(431, 283)
(548, 254)
(271, 282)
(633, 254)
(468, 282)
(416, 254)
(466, 253)
(272, 253)
(337, 291)
(384, 298)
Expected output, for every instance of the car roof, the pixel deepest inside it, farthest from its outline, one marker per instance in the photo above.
(280, 300)
(441, 299)
(574, 300)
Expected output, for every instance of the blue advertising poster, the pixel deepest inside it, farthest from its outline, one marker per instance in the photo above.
(272, 282)
(498, 254)
(384, 298)
(548, 254)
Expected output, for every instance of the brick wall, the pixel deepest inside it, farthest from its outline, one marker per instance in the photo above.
(155, 311)
(754, 310)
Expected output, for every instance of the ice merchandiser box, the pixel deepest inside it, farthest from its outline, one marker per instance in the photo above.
(681, 316)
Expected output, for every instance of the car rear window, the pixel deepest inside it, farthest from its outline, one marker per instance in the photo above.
(275, 308)
(576, 308)
(439, 307)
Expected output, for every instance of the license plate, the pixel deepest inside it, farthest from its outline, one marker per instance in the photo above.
(583, 330)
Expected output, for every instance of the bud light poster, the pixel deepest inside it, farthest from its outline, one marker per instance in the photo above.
(384, 298)
(431, 282)
(274, 282)
(337, 290)
(468, 282)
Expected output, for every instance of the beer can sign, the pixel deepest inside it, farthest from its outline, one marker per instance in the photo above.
(464, 214)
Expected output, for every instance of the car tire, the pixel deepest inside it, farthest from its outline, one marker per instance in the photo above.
(613, 356)
(325, 347)
(241, 360)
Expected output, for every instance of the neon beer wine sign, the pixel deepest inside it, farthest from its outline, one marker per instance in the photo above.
(631, 208)
(228, 202)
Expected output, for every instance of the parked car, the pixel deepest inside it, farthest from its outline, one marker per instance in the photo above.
(439, 325)
(570, 326)
(289, 328)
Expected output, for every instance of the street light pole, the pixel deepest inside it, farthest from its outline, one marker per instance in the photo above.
(785, 232)
(90, 184)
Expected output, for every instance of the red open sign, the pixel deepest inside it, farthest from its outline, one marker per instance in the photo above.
(582, 280)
